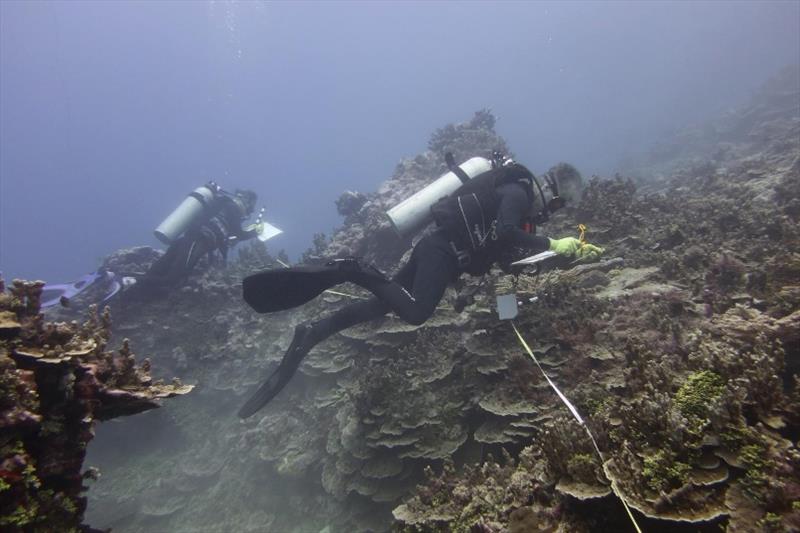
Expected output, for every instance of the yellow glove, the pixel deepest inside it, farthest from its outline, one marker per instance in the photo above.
(588, 253)
(566, 246)
(257, 227)
(572, 247)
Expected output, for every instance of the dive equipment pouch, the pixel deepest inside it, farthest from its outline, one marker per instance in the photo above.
(463, 258)
(463, 219)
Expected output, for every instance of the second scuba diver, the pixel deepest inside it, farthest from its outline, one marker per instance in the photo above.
(486, 219)
(208, 221)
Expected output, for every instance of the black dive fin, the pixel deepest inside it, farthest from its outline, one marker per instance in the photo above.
(285, 288)
(267, 391)
(301, 345)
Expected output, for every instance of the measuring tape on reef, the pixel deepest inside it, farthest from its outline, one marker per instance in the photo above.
(577, 417)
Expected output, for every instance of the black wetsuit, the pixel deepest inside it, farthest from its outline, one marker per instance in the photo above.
(416, 290)
(214, 233)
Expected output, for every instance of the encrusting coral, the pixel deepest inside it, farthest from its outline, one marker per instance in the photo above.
(56, 379)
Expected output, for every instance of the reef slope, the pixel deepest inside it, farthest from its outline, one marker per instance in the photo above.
(679, 349)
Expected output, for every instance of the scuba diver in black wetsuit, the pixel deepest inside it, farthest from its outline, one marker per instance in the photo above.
(208, 221)
(483, 222)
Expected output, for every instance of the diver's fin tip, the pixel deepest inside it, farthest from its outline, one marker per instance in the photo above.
(244, 412)
(257, 402)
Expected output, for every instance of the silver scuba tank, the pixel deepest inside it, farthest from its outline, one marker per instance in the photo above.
(414, 213)
(186, 213)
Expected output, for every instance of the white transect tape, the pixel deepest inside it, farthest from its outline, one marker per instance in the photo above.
(578, 418)
(345, 294)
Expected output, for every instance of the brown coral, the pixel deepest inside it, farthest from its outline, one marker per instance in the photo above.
(57, 379)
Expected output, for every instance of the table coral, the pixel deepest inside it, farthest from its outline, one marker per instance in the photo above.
(56, 380)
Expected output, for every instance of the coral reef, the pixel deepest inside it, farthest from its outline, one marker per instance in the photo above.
(349, 203)
(690, 399)
(677, 348)
(56, 380)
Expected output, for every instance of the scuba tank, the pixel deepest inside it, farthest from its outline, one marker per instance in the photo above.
(187, 212)
(414, 213)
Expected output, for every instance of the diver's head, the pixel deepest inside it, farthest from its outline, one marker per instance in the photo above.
(565, 182)
(561, 185)
(246, 200)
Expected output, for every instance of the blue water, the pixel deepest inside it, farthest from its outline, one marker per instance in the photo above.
(110, 112)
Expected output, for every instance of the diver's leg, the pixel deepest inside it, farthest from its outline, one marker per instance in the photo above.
(177, 268)
(426, 275)
(162, 272)
(419, 286)
(161, 266)
(202, 245)
(181, 258)
(348, 316)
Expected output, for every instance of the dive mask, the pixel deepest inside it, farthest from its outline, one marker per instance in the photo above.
(554, 203)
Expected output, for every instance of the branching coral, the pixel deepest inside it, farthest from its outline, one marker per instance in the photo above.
(697, 397)
(481, 497)
(610, 203)
(479, 131)
(56, 380)
(724, 278)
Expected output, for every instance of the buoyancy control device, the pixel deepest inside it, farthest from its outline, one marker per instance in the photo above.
(469, 215)
(417, 211)
(414, 213)
(192, 207)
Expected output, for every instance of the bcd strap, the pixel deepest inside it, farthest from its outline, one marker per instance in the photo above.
(544, 214)
(455, 169)
(199, 198)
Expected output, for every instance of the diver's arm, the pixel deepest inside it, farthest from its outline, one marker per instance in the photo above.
(236, 222)
(247, 234)
(513, 207)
